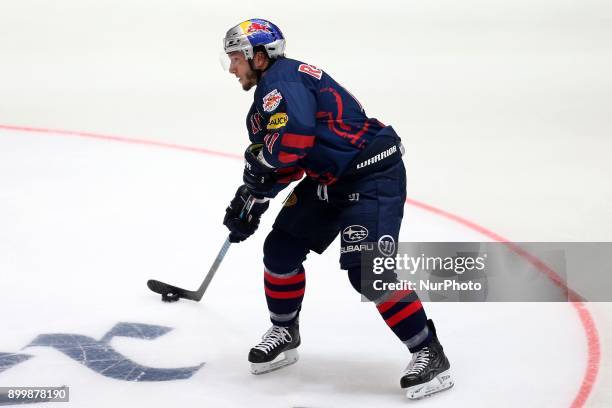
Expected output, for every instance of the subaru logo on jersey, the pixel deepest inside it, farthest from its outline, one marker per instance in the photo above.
(354, 233)
(386, 245)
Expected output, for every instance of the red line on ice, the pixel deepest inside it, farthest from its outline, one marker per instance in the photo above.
(594, 351)
(120, 139)
(588, 324)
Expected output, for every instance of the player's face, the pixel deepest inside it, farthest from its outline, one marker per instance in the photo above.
(240, 67)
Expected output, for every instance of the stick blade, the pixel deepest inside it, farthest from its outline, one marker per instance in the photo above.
(171, 293)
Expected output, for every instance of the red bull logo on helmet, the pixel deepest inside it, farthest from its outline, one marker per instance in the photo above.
(252, 27)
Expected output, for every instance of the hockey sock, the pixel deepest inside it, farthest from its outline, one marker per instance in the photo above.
(402, 311)
(284, 276)
(284, 294)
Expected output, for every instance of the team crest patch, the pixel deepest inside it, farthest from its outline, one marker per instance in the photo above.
(291, 200)
(272, 100)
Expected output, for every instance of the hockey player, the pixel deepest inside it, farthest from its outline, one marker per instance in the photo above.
(303, 122)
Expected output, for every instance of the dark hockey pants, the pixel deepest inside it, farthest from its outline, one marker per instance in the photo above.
(310, 221)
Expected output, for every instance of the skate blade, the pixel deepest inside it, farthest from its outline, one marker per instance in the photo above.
(284, 359)
(441, 382)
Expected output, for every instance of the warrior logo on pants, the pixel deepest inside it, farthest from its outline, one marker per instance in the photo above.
(386, 245)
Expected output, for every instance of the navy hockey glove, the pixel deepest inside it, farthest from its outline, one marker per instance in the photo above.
(242, 228)
(259, 178)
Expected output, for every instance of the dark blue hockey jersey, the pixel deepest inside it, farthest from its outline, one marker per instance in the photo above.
(307, 122)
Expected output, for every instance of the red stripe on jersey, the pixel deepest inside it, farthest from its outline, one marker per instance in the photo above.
(285, 157)
(289, 174)
(408, 311)
(290, 178)
(284, 281)
(284, 295)
(331, 122)
(397, 296)
(326, 178)
(286, 170)
(297, 141)
(270, 139)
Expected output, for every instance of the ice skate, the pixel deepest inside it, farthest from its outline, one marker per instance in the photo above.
(429, 370)
(277, 349)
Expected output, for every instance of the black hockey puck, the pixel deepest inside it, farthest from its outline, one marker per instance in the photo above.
(170, 297)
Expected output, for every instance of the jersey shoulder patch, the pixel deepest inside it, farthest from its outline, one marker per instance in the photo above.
(311, 70)
(272, 100)
(277, 121)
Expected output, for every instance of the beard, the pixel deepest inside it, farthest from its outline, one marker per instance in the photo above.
(250, 80)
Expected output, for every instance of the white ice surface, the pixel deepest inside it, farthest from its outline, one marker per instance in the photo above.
(503, 106)
(85, 223)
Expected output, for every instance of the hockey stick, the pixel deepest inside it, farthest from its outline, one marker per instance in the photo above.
(172, 293)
